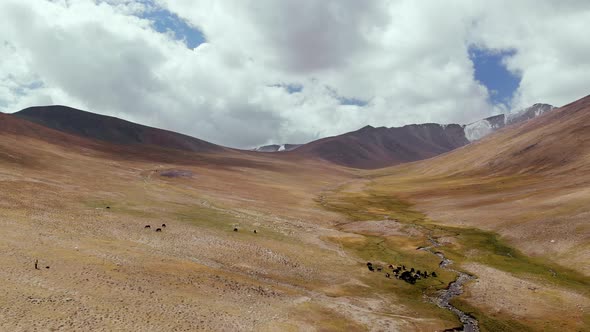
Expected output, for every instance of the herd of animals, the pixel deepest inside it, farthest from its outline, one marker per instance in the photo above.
(157, 229)
(400, 272)
(164, 226)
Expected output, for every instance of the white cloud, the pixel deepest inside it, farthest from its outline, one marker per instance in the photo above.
(407, 59)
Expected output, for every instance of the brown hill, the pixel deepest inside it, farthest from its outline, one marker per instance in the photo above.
(371, 148)
(111, 129)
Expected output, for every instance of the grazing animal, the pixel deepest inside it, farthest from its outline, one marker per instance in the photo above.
(433, 274)
(379, 268)
(235, 229)
(387, 275)
(108, 207)
(369, 263)
(390, 266)
(255, 232)
(163, 225)
(408, 277)
(158, 229)
(147, 226)
(403, 267)
(47, 267)
(412, 270)
(370, 267)
(36, 264)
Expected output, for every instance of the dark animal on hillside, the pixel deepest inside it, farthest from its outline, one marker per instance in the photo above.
(433, 274)
(47, 267)
(147, 226)
(163, 225)
(408, 277)
(255, 232)
(36, 264)
(108, 207)
(418, 272)
(390, 266)
(417, 276)
(379, 268)
(387, 275)
(396, 270)
(403, 267)
(369, 263)
(158, 229)
(370, 267)
(425, 274)
(412, 270)
(235, 229)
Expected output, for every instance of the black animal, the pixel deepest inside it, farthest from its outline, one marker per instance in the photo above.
(387, 275)
(396, 270)
(403, 267)
(47, 267)
(108, 207)
(235, 229)
(390, 266)
(433, 274)
(255, 232)
(370, 266)
(412, 270)
(425, 274)
(408, 277)
(147, 226)
(158, 229)
(369, 263)
(379, 268)
(163, 225)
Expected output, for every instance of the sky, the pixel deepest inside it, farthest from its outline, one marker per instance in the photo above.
(245, 73)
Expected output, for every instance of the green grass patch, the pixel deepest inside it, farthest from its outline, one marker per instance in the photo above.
(468, 245)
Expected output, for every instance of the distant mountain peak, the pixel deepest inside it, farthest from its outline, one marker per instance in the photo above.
(479, 129)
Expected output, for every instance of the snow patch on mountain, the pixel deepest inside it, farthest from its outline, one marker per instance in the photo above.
(479, 129)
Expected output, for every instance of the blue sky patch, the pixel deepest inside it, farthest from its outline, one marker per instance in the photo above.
(165, 21)
(352, 101)
(492, 73)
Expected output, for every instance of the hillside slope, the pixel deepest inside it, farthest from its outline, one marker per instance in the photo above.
(528, 182)
(371, 148)
(111, 129)
(554, 143)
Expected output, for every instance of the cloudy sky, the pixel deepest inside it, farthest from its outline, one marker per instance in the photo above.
(245, 73)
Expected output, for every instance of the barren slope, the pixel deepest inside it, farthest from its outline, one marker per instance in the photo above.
(80, 210)
(110, 129)
(371, 148)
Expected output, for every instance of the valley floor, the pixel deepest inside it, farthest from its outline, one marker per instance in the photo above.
(83, 217)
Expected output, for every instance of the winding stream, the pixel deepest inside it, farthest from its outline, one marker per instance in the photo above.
(455, 288)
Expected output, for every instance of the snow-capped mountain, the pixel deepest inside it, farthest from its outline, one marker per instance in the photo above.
(479, 129)
(277, 147)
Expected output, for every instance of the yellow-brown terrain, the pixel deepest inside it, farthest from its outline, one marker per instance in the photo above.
(512, 210)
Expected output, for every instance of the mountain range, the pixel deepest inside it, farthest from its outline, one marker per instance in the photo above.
(366, 148)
